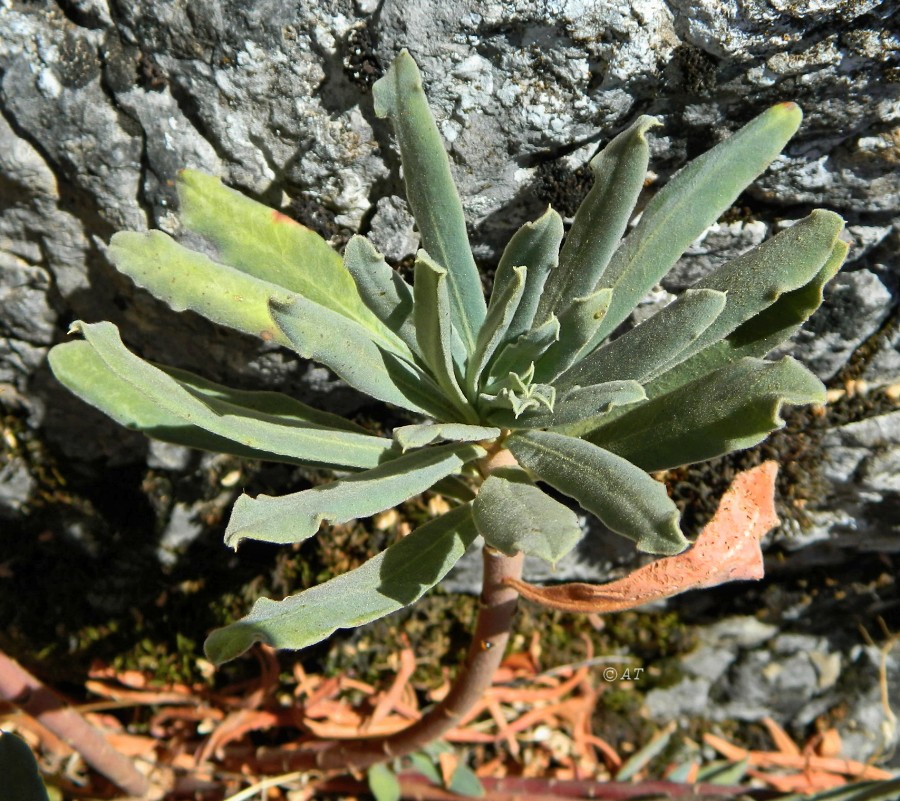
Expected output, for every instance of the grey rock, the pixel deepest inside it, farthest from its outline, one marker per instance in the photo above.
(856, 304)
(393, 229)
(166, 456)
(739, 632)
(16, 486)
(181, 530)
(884, 367)
(689, 698)
(868, 731)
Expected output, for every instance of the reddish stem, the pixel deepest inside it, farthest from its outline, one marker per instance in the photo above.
(36, 699)
(492, 630)
(416, 788)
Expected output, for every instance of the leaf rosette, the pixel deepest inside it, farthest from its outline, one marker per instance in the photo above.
(535, 373)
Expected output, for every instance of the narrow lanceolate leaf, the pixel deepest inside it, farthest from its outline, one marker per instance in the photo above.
(623, 496)
(728, 549)
(430, 190)
(345, 346)
(514, 515)
(735, 407)
(382, 289)
(686, 206)
(775, 324)
(389, 581)
(269, 245)
(296, 517)
(759, 334)
(434, 328)
(756, 280)
(135, 393)
(576, 327)
(643, 350)
(266, 405)
(504, 302)
(418, 436)
(77, 366)
(620, 170)
(536, 246)
(755, 338)
(184, 279)
(521, 355)
(576, 404)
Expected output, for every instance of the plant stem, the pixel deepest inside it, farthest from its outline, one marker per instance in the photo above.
(36, 699)
(492, 629)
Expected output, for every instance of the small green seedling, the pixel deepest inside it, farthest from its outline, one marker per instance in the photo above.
(530, 386)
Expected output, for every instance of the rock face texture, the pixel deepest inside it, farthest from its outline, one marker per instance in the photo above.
(103, 101)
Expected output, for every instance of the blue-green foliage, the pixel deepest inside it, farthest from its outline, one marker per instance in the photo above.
(531, 374)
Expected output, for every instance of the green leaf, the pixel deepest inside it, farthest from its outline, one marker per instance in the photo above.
(345, 346)
(514, 515)
(646, 754)
(756, 280)
(417, 436)
(576, 327)
(504, 302)
(685, 207)
(465, 783)
(251, 403)
(723, 773)
(623, 496)
(519, 394)
(778, 322)
(184, 279)
(382, 289)
(431, 192)
(734, 407)
(620, 170)
(755, 338)
(758, 335)
(383, 783)
(389, 581)
(434, 329)
(521, 355)
(536, 246)
(640, 352)
(576, 404)
(19, 769)
(454, 487)
(296, 517)
(423, 765)
(269, 245)
(137, 394)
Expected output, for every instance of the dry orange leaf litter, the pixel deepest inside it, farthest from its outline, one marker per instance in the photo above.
(727, 549)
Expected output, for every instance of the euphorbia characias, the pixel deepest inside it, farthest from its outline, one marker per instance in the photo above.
(526, 389)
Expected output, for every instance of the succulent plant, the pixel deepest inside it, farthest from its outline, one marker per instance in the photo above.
(531, 387)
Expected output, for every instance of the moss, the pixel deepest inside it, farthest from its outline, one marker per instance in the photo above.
(361, 64)
(562, 187)
(698, 69)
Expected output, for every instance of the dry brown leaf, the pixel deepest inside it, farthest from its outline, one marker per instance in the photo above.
(727, 549)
